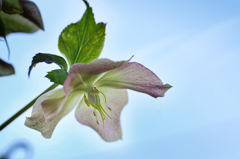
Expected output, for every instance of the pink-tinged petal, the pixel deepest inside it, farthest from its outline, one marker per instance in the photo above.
(80, 74)
(38, 122)
(95, 67)
(135, 76)
(116, 100)
(73, 80)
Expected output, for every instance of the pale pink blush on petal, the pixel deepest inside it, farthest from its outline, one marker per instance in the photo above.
(134, 76)
(116, 100)
(72, 80)
(95, 67)
(80, 73)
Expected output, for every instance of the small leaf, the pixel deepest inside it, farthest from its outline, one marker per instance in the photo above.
(2, 33)
(0, 5)
(6, 68)
(32, 13)
(57, 76)
(17, 23)
(83, 41)
(48, 58)
(28, 22)
(11, 6)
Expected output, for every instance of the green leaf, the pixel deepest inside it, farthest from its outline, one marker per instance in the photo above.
(28, 22)
(11, 6)
(2, 33)
(6, 68)
(32, 13)
(57, 76)
(83, 41)
(48, 58)
(17, 23)
(0, 5)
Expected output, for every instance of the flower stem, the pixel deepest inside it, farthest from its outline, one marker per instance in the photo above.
(25, 108)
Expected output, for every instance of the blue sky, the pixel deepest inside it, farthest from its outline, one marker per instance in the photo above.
(192, 45)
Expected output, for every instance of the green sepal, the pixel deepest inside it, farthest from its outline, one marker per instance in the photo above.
(11, 6)
(48, 58)
(83, 41)
(57, 76)
(6, 69)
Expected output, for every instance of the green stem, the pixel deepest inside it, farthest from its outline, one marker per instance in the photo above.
(25, 108)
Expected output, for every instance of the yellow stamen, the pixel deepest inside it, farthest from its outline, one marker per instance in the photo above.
(86, 101)
(93, 99)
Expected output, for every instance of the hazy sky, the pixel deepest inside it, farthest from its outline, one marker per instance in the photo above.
(192, 45)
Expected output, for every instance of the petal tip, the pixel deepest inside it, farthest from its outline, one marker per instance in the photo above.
(168, 86)
(46, 136)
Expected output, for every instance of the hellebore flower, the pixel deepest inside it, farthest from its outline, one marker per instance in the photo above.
(99, 89)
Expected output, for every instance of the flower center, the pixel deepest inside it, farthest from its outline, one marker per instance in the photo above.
(91, 97)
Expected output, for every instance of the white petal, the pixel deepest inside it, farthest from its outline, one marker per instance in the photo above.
(51, 107)
(116, 100)
(38, 122)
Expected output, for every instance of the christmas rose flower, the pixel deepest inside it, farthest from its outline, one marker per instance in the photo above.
(99, 90)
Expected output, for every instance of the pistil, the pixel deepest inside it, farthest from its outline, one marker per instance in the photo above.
(92, 98)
